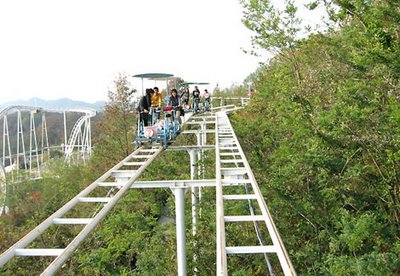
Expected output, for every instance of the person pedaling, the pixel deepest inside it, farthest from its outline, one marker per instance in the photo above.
(156, 100)
(150, 129)
(175, 103)
(144, 107)
(207, 100)
(196, 99)
(185, 97)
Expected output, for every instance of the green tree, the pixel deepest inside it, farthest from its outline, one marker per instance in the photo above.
(275, 30)
(325, 149)
(116, 126)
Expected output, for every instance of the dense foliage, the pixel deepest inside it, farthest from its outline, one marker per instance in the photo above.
(322, 135)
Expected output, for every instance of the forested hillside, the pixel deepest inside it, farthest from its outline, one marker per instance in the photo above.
(322, 135)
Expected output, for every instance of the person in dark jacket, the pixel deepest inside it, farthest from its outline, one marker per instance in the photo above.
(196, 99)
(175, 102)
(185, 96)
(144, 107)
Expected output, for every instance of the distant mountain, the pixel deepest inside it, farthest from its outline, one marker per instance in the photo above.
(58, 104)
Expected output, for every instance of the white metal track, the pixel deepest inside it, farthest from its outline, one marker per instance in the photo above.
(227, 145)
(232, 169)
(120, 177)
(79, 141)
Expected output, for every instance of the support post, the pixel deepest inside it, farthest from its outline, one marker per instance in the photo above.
(194, 190)
(65, 132)
(180, 229)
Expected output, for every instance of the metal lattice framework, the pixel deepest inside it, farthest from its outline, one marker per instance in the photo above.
(3, 191)
(80, 137)
(232, 170)
(28, 154)
(24, 151)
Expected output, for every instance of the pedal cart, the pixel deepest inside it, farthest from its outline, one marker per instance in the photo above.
(164, 131)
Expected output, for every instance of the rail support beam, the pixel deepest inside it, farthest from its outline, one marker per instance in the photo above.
(180, 229)
(194, 190)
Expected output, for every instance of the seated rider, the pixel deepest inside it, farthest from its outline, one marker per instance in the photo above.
(156, 100)
(185, 96)
(207, 99)
(175, 101)
(196, 99)
(144, 107)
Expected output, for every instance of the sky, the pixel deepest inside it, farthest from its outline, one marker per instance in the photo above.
(53, 49)
(77, 48)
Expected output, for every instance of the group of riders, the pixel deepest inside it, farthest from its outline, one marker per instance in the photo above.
(150, 105)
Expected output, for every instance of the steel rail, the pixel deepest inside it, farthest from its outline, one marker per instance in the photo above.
(281, 252)
(222, 264)
(5, 110)
(67, 251)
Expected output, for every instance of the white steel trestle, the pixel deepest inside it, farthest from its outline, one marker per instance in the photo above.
(227, 145)
(120, 177)
(232, 169)
(33, 156)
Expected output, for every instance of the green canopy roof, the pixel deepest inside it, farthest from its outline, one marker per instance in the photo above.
(195, 83)
(159, 76)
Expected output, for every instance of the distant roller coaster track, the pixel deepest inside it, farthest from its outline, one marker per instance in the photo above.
(32, 155)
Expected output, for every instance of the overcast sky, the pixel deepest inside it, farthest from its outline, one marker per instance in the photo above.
(76, 48)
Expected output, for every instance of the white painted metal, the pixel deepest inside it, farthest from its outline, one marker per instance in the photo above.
(174, 183)
(65, 129)
(206, 147)
(148, 150)
(72, 220)
(251, 249)
(227, 161)
(39, 252)
(94, 199)
(226, 145)
(195, 131)
(45, 138)
(239, 197)
(133, 163)
(90, 224)
(200, 122)
(235, 181)
(6, 140)
(222, 264)
(3, 191)
(163, 184)
(33, 158)
(233, 171)
(110, 184)
(33, 148)
(230, 154)
(180, 229)
(123, 173)
(194, 190)
(20, 140)
(77, 132)
(141, 156)
(224, 127)
(243, 218)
